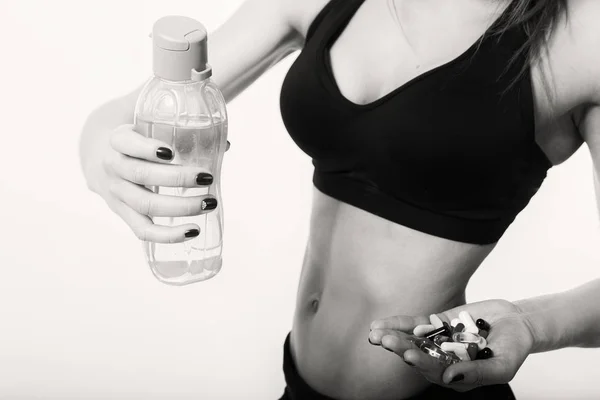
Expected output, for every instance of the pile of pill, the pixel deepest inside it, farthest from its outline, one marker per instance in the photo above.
(462, 340)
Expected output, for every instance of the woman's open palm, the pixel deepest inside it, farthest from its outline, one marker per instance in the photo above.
(509, 338)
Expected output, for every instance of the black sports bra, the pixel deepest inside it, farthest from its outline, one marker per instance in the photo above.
(446, 153)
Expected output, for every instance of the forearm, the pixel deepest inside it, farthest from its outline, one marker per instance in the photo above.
(566, 319)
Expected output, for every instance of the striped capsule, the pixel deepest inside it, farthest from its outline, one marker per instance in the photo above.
(455, 322)
(482, 324)
(435, 321)
(436, 332)
(422, 330)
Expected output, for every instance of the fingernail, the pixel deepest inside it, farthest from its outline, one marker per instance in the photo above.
(204, 179)
(457, 378)
(164, 153)
(209, 204)
(409, 363)
(192, 233)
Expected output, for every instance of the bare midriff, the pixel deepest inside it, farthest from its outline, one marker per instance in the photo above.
(359, 267)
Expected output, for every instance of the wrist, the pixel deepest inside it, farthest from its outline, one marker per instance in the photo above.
(528, 318)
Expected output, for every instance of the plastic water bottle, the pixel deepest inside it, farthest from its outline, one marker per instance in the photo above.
(182, 107)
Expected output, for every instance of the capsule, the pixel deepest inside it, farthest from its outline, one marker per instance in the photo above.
(485, 354)
(466, 319)
(455, 322)
(472, 349)
(421, 330)
(436, 332)
(482, 324)
(472, 329)
(435, 321)
(448, 327)
(428, 347)
(466, 337)
(459, 328)
(439, 339)
(460, 349)
(483, 333)
(482, 344)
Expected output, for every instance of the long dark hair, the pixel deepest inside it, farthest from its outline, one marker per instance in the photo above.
(538, 18)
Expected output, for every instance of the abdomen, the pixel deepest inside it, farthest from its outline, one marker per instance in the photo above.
(357, 268)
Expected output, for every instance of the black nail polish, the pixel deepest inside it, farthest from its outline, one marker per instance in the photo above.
(457, 378)
(192, 233)
(209, 204)
(388, 349)
(204, 179)
(409, 363)
(164, 153)
(369, 339)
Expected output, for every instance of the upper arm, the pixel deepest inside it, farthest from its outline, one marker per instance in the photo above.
(589, 128)
(255, 37)
(583, 58)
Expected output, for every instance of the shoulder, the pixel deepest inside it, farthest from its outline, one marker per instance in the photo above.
(575, 47)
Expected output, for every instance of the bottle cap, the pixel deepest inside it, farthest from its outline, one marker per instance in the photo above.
(179, 49)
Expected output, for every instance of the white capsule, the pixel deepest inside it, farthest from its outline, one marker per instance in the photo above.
(466, 319)
(463, 354)
(436, 321)
(421, 330)
(453, 346)
(455, 322)
(482, 344)
(472, 329)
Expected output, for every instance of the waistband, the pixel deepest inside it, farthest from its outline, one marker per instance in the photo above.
(298, 389)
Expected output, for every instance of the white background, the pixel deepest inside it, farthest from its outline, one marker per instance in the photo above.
(82, 317)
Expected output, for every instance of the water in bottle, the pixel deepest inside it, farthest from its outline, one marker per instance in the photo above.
(182, 107)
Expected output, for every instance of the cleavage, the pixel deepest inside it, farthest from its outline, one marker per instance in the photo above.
(372, 56)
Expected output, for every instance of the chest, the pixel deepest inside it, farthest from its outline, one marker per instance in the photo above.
(385, 47)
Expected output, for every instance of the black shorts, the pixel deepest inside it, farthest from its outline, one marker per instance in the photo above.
(297, 389)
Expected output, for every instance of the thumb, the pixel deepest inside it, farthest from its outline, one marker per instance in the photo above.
(477, 373)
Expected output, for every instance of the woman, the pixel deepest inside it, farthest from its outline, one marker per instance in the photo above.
(428, 137)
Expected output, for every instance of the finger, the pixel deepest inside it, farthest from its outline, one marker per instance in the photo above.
(376, 335)
(404, 323)
(127, 141)
(146, 202)
(478, 372)
(143, 227)
(147, 173)
(427, 365)
(396, 342)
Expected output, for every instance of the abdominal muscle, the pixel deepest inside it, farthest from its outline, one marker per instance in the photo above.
(359, 267)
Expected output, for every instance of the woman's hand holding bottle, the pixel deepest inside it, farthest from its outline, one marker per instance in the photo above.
(132, 162)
